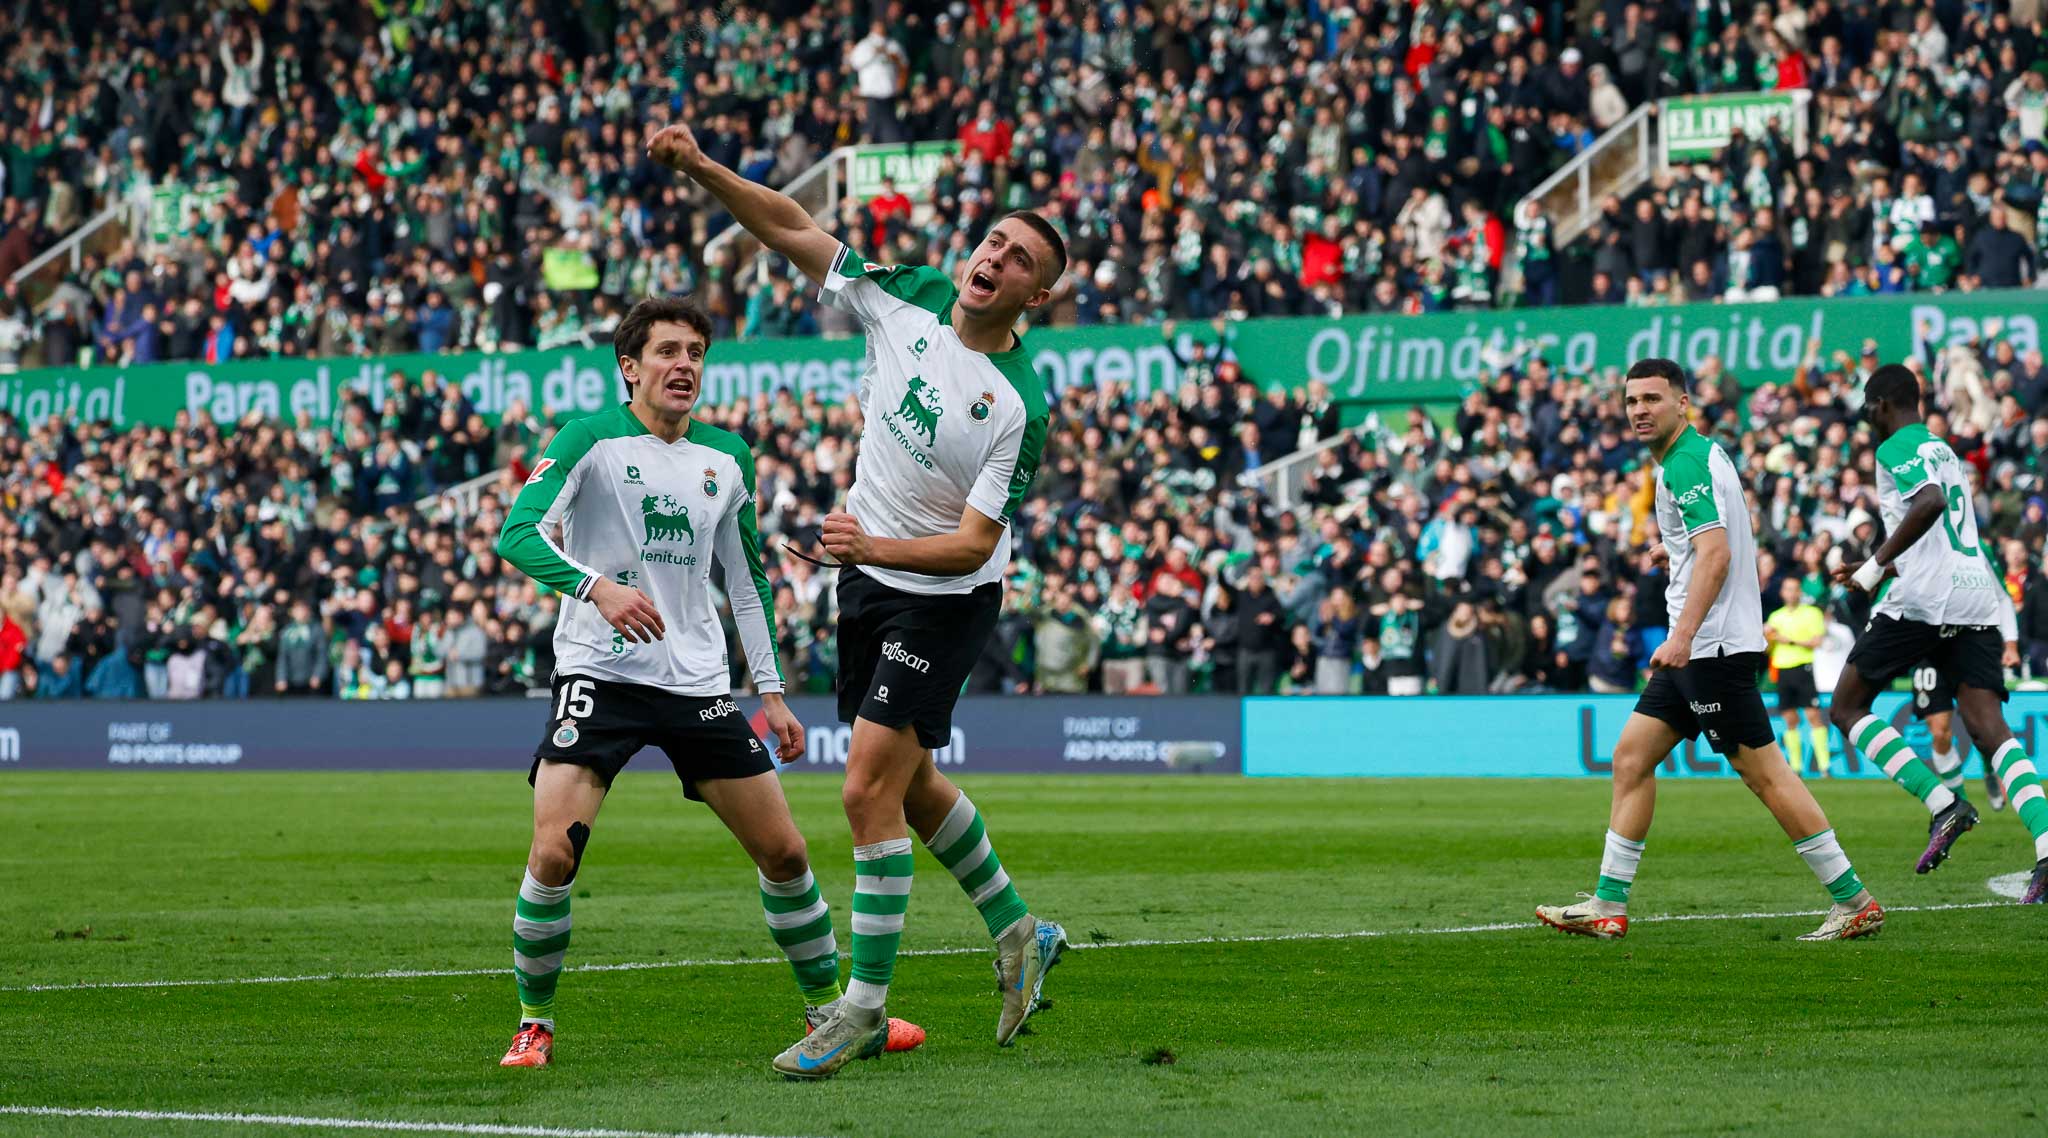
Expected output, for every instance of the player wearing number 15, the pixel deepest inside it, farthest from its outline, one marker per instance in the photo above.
(622, 516)
(1941, 602)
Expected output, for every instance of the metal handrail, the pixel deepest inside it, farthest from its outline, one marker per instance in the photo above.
(73, 244)
(1282, 478)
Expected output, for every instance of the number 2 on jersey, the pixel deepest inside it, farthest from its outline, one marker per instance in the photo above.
(1953, 519)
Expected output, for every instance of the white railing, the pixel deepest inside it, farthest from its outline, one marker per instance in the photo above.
(71, 250)
(1617, 162)
(1283, 478)
(460, 500)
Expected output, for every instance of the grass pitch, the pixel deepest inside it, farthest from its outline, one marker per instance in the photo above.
(1687, 1027)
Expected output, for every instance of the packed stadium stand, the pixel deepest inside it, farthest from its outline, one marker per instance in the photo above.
(455, 176)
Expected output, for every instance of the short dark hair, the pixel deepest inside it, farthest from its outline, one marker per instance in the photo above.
(629, 339)
(1658, 368)
(1044, 229)
(1895, 384)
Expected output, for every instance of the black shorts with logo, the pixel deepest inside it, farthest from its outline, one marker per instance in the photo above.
(1969, 656)
(602, 724)
(1933, 692)
(903, 657)
(1714, 694)
(1795, 688)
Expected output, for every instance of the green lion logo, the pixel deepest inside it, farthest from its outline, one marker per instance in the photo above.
(921, 407)
(666, 518)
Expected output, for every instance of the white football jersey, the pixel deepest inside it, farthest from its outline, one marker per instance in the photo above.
(1698, 490)
(649, 514)
(1944, 578)
(944, 427)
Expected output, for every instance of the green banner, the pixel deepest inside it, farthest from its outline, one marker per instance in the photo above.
(1363, 359)
(911, 165)
(175, 208)
(1697, 127)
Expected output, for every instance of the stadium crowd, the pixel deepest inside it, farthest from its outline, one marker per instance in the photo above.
(1501, 548)
(454, 174)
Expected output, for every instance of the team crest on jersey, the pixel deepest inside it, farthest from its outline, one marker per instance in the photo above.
(538, 470)
(921, 409)
(566, 735)
(710, 483)
(666, 519)
(633, 476)
(979, 412)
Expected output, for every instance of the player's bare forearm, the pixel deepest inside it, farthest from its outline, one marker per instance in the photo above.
(1920, 517)
(772, 216)
(953, 554)
(1709, 573)
(946, 555)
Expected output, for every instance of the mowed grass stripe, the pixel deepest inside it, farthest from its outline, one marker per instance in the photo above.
(642, 965)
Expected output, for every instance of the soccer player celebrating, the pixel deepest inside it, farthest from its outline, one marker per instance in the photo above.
(954, 420)
(622, 516)
(1705, 674)
(1942, 603)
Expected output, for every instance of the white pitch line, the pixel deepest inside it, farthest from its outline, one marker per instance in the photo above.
(730, 962)
(294, 1120)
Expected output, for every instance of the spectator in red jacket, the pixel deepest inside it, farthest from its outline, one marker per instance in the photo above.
(13, 646)
(987, 134)
(883, 210)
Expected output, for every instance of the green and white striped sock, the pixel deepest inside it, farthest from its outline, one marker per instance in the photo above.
(801, 924)
(1825, 858)
(1618, 864)
(1949, 766)
(2024, 785)
(961, 845)
(1883, 746)
(540, 937)
(881, 895)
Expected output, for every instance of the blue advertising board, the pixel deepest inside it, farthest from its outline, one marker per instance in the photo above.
(1516, 736)
(1045, 735)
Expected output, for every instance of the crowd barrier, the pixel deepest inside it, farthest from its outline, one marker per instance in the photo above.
(1044, 735)
(1527, 736)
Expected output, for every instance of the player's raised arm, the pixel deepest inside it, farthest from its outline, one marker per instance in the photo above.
(775, 218)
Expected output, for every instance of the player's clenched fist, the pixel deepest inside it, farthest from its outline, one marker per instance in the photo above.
(628, 610)
(676, 148)
(844, 539)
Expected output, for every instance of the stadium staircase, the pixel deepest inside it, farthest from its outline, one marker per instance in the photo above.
(102, 233)
(1618, 163)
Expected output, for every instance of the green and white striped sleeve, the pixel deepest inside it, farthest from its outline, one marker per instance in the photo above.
(527, 541)
(739, 544)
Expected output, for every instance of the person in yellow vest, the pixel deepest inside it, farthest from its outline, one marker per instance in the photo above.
(1794, 631)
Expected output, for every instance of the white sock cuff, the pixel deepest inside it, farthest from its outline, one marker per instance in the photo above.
(795, 888)
(1621, 857)
(534, 891)
(957, 820)
(1817, 842)
(879, 850)
(866, 994)
(2007, 754)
